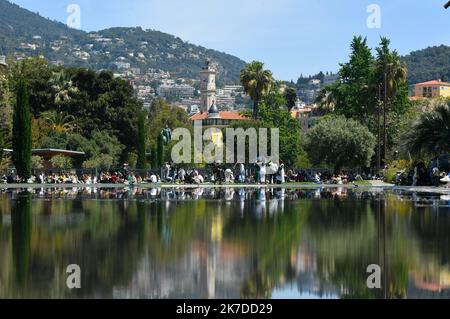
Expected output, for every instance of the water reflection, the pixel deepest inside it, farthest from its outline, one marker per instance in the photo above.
(223, 243)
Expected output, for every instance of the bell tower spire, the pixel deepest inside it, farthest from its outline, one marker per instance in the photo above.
(207, 86)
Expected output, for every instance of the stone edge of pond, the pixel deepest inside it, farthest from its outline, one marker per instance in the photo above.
(377, 186)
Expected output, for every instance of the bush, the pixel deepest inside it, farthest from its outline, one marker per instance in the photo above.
(394, 167)
(62, 162)
(37, 162)
(102, 162)
(340, 142)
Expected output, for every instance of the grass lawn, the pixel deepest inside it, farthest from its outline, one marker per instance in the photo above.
(366, 183)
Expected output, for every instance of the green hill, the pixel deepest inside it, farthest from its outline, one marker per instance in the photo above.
(428, 64)
(24, 33)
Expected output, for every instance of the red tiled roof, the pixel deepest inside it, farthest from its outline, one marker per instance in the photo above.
(226, 115)
(295, 113)
(199, 116)
(434, 82)
(415, 98)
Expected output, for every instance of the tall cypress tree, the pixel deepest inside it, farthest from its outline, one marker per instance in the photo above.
(160, 151)
(141, 161)
(153, 157)
(21, 139)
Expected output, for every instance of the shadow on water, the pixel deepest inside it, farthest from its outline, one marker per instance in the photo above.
(223, 243)
(21, 236)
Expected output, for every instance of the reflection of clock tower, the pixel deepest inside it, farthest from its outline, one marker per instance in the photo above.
(208, 86)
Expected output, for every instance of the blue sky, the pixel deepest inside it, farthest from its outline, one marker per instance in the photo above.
(290, 36)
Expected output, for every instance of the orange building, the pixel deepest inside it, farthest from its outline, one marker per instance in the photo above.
(431, 89)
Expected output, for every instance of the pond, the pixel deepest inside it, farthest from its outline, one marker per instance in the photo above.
(224, 243)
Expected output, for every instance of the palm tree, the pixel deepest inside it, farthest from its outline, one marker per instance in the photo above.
(326, 102)
(61, 83)
(290, 95)
(431, 133)
(389, 67)
(257, 82)
(59, 121)
(389, 78)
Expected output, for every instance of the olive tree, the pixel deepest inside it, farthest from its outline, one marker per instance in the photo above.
(340, 142)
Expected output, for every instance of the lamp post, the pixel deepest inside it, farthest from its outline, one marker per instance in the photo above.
(379, 130)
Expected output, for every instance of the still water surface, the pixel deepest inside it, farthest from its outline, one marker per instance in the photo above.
(223, 243)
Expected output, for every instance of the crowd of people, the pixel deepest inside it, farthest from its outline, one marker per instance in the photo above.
(259, 173)
(421, 175)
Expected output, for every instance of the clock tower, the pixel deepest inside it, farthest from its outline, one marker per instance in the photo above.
(207, 86)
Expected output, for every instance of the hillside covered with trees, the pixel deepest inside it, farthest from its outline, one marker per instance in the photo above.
(26, 33)
(429, 64)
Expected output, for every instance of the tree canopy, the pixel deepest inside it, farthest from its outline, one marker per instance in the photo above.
(257, 82)
(81, 101)
(340, 142)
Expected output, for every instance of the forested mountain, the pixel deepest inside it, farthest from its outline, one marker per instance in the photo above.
(24, 33)
(428, 64)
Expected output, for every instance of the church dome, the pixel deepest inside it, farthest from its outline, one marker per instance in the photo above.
(213, 111)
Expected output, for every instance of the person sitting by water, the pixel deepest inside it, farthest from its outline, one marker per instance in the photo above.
(196, 177)
(291, 176)
(181, 175)
(229, 178)
(317, 178)
(344, 177)
(153, 179)
(281, 177)
(435, 176)
(74, 178)
(240, 176)
(446, 179)
(87, 179)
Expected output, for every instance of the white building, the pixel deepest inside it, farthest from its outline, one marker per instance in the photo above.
(122, 65)
(176, 90)
(315, 82)
(230, 89)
